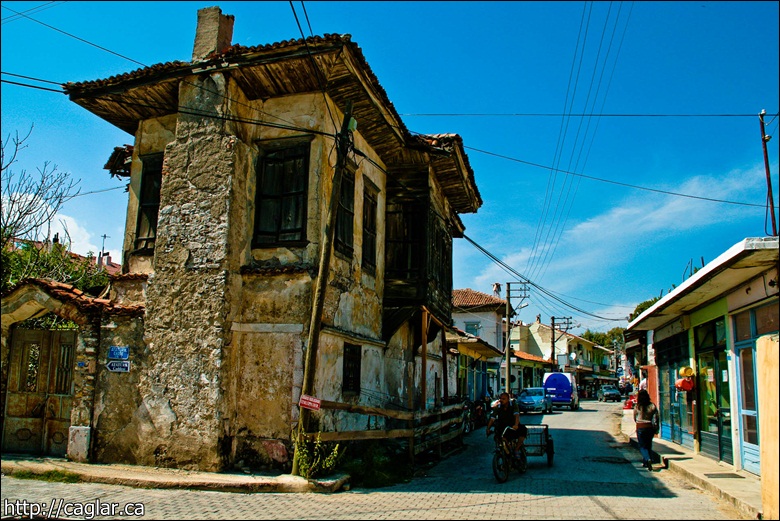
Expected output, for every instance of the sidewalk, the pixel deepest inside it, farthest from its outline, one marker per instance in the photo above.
(154, 477)
(738, 487)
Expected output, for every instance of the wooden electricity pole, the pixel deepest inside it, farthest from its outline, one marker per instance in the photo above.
(310, 363)
(771, 201)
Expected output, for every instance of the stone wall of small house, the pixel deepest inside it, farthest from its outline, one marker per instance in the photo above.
(189, 295)
(121, 420)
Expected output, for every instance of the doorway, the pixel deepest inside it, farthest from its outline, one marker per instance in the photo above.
(40, 392)
(715, 410)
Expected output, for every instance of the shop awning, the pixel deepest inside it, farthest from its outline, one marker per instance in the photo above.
(471, 345)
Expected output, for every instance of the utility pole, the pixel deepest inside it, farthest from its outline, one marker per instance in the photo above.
(565, 326)
(309, 368)
(764, 140)
(522, 293)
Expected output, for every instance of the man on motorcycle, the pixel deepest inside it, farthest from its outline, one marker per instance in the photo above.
(507, 414)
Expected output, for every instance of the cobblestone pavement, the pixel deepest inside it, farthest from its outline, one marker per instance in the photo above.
(594, 476)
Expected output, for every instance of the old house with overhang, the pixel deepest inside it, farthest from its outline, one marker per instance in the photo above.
(227, 256)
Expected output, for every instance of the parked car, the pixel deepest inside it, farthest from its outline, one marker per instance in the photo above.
(608, 392)
(534, 399)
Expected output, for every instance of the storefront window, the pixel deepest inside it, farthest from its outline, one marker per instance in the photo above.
(748, 379)
(750, 429)
(767, 319)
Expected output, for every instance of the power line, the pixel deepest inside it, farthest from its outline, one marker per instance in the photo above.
(300, 129)
(73, 36)
(537, 286)
(593, 178)
(583, 115)
(31, 86)
(41, 7)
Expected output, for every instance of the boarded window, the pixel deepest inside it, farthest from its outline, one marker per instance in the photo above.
(352, 357)
(370, 206)
(404, 236)
(281, 195)
(345, 218)
(149, 201)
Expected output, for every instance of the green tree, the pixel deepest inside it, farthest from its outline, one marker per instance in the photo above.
(641, 307)
(28, 203)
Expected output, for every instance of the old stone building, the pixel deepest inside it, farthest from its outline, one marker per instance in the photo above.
(230, 186)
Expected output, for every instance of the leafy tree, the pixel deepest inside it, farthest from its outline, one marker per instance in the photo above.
(28, 203)
(641, 307)
(605, 339)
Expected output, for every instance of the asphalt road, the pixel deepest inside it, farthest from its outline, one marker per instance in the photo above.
(594, 476)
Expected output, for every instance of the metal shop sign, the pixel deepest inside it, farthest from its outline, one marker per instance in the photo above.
(118, 366)
(310, 402)
(119, 352)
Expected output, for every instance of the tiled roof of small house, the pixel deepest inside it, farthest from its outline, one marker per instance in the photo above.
(468, 298)
(71, 294)
(530, 357)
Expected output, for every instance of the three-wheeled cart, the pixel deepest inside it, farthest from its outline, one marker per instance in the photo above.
(539, 442)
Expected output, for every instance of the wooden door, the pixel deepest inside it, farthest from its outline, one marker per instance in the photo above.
(40, 392)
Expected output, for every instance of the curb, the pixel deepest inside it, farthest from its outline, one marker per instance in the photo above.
(704, 484)
(154, 479)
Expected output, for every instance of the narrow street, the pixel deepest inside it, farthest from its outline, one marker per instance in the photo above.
(594, 476)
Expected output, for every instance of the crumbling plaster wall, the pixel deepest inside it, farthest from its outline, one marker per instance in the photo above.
(120, 418)
(189, 294)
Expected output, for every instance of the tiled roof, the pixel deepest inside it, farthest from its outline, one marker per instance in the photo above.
(468, 298)
(71, 294)
(532, 358)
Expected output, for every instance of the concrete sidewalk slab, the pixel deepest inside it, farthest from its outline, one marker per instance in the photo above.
(155, 477)
(740, 488)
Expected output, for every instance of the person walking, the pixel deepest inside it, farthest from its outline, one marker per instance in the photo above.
(647, 422)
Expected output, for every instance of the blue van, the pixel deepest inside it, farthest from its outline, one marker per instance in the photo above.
(562, 389)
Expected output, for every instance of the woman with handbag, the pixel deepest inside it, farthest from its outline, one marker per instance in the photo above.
(647, 422)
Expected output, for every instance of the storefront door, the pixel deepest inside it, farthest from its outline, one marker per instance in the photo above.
(715, 410)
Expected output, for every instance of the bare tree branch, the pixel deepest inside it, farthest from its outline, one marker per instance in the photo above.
(28, 201)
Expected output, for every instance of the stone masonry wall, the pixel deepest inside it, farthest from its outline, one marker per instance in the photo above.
(188, 295)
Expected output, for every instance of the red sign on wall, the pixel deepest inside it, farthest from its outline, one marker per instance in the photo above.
(309, 402)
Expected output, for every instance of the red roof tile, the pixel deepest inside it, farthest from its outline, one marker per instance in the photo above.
(468, 298)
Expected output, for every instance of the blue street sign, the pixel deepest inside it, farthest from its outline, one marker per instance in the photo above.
(116, 366)
(119, 352)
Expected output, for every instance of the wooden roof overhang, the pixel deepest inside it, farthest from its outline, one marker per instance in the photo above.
(332, 62)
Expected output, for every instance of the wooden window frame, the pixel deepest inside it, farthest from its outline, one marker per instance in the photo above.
(352, 361)
(344, 237)
(282, 188)
(370, 220)
(148, 202)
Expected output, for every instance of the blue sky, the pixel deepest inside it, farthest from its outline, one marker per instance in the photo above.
(556, 205)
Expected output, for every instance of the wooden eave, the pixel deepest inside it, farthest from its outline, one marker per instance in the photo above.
(286, 68)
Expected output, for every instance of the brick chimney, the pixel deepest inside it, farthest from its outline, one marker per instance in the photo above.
(214, 34)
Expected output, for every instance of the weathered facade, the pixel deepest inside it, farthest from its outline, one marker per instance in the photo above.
(231, 184)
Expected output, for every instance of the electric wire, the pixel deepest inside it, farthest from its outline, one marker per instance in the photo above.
(561, 224)
(41, 7)
(552, 178)
(486, 152)
(537, 286)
